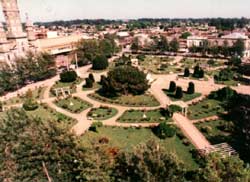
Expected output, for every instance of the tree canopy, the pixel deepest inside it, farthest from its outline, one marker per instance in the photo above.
(31, 68)
(125, 80)
(32, 149)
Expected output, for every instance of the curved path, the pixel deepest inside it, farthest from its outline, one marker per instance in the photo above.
(161, 82)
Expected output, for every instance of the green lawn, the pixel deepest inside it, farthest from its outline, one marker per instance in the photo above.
(186, 97)
(128, 100)
(95, 86)
(213, 132)
(46, 113)
(228, 83)
(190, 62)
(136, 116)
(205, 108)
(37, 94)
(128, 138)
(73, 104)
(102, 113)
(159, 65)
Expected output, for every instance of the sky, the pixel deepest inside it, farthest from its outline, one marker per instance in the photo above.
(50, 10)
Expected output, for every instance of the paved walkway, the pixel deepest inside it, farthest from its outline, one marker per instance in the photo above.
(191, 132)
(161, 82)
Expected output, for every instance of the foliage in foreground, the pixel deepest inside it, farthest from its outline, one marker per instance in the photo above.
(148, 163)
(35, 150)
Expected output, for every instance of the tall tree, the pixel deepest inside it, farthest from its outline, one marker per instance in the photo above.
(125, 80)
(148, 163)
(174, 45)
(135, 44)
(223, 169)
(238, 48)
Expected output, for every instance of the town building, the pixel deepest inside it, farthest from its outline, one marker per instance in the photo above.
(15, 42)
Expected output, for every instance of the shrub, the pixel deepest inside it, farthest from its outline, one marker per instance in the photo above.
(68, 76)
(164, 130)
(225, 75)
(89, 83)
(95, 125)
(1, 106)
(141, 57)
(179, 93)
(30, 105)
(206, 129)
(211, 62)
(191, 88)
(104, 140)
(173, 109)
(91, 77)
(198, 72)
(186, 72)
(172, 86)
(224, 94)
(100, 63)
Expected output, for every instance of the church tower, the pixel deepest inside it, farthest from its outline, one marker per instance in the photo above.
(13, 20)
(17, 38)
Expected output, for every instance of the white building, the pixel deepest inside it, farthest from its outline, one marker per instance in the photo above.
(195, 41)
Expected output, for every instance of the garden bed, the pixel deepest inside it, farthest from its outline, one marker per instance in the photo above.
(186, 97)
(205, 108)
(127, 100)
(73, 104)
(140, 116)
(102, 113)
(159, 65)
(213, 131)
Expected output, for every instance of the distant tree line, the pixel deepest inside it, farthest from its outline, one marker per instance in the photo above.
(78, 22)
(219, 23)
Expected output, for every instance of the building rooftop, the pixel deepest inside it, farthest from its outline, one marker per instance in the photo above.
(235, 35)
(196, 38)
(45, 44)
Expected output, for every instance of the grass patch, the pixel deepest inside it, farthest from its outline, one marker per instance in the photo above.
(73, 104)
(37, 94)
(205, 108)
(102, 113)
(137, 116)
(159, 65)
(191, 63)
(127, 100)
(95, 86)
(47, 114)
(186, 97)
(228, 83)
(213, 131)
(128, 138)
